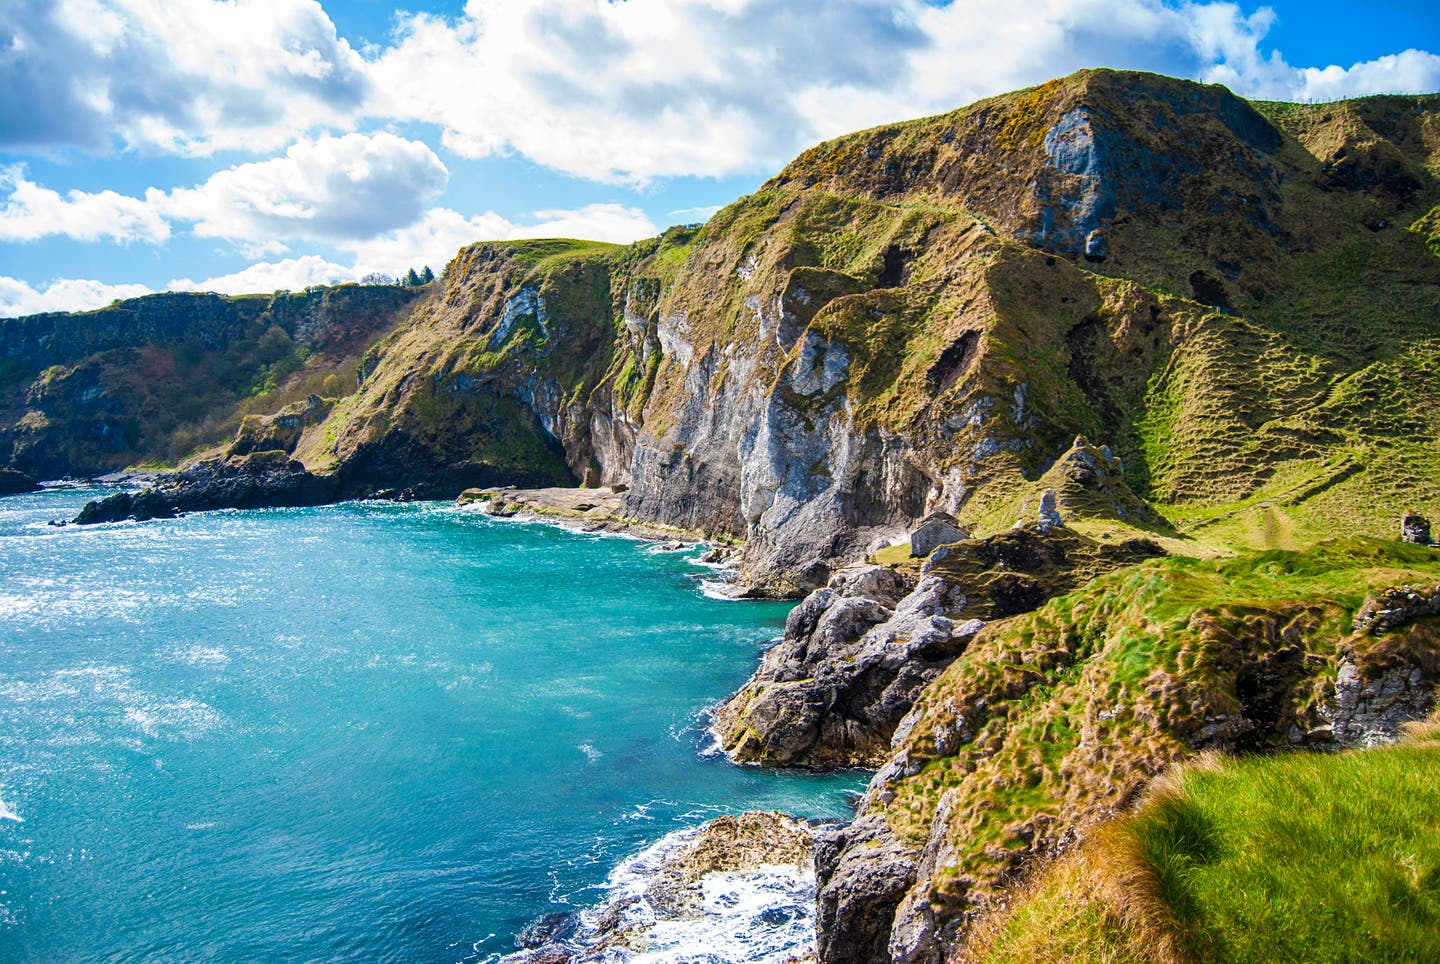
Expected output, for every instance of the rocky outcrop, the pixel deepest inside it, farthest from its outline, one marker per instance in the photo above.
(857, 653)
(260, 480)
(280, 432)
(1055, 719)
(14, 483)
(865, 872)
(693, 877)
(1415, 529)
(935, 530)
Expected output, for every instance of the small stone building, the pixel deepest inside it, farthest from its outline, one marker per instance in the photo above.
(936, 529)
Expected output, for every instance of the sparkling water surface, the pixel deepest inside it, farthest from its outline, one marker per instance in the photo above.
(359, 732)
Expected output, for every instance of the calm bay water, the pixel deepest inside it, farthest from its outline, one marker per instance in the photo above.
(359, 732)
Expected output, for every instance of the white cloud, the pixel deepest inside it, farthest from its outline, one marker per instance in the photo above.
(64, 294)
(617, 92)
(652, 88)
(291, 274)
(1403, 73)
(703, 213)
(351, 188)
(31, 211)
(442, 232)
(433, 241)
(191, 76)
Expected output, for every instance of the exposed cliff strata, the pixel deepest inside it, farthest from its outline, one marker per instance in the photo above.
(919, 317)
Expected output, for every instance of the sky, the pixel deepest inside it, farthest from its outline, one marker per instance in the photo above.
(257, 145)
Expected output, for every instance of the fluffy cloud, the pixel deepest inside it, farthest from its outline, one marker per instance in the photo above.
(432, 241)
(31, 211)
(333, 188)
(349, 188)
(1402, 73)
(64, 294)
(618, 92)
(651, 88)
(635, 90)
(442, 232)
(191, 76)
(292, 274)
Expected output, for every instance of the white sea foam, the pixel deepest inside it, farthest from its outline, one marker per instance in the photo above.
(7, 814)
(204, 656)
(590, 752)
(761, 916)
(719, 589)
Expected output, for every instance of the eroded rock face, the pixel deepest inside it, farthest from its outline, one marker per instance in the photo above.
(854, 656)
(1274, 676)
(857, 653)
(1372, 700)
(1415, 529)
(864, 873)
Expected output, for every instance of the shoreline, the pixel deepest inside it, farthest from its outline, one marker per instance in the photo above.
(594, 510)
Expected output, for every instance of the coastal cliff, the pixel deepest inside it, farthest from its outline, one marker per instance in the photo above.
(148, 381)
(919, 318)
(1113, 318)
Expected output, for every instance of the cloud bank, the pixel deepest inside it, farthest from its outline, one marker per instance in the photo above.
(626, 93)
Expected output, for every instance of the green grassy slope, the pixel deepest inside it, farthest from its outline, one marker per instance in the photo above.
(1054, 718)
(1296, 858)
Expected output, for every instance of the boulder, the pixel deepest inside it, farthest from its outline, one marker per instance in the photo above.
(1415, 528)
(1049, 512)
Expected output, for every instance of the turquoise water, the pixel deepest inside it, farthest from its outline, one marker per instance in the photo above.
(360, 732)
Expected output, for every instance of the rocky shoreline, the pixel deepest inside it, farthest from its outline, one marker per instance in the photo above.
(737, 884)
(599, 509)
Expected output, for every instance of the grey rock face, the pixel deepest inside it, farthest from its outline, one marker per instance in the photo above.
(854, 657)
(1416, 529)
(1369, 712)
(863, 873)
(1049, 513)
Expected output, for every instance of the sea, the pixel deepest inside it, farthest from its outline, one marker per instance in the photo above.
(361, 732)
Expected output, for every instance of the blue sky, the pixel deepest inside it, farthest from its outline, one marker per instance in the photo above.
(148, 145)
